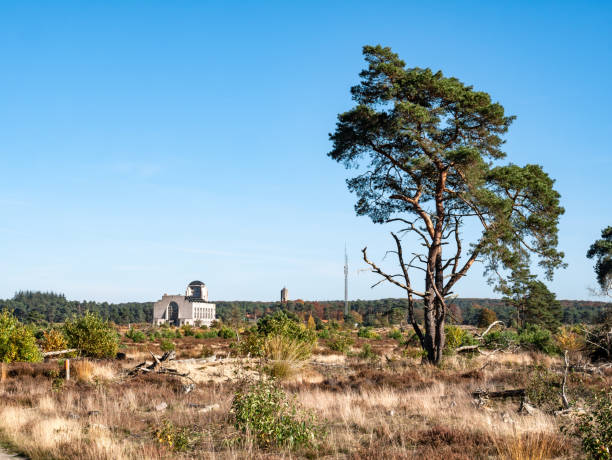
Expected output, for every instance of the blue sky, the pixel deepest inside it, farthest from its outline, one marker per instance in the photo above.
(147, 144)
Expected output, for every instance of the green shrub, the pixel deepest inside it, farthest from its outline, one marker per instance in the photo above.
(595, 427)
(395, 334)
(500, 339)
(176, 438)
(367, 352)
(341, 342)
(324, 334)
(367, 333)
(534, 337)
(17, 341)
(167, 345)
(188, 330)
(177, 334)
(213, 333)
(199, 335)
(136, 335)
(286, 325)
(457, 337)
(226, 333)
(264, 411)
(91, 336)
(168, 334)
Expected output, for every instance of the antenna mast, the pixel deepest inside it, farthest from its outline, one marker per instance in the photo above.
(346, 304)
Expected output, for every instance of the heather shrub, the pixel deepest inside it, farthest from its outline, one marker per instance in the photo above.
(92, 336)
(265, 412)
(17, 341)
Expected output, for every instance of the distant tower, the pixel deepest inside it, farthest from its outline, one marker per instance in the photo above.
(346, 304)
(284, 295)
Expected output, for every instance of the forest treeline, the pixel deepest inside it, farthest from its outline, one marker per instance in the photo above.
(38, 307)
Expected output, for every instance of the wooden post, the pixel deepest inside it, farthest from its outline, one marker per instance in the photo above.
(67, 364)
(2, 372)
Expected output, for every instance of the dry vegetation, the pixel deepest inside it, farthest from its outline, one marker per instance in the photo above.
(391, 406)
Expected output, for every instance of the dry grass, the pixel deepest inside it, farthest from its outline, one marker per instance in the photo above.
(392, 409)
(88, 371)
(530, 446)
(286, 356)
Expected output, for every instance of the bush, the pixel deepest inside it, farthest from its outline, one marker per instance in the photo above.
(287, 325)
(395, 334)
(17, 341)
(570, 338)
(341, 342)
(457, 337)
(367, 333)
(500, 339)
(199, 335)
(92, 336)
(264, 411)
(595, 427)
(136, 335)
(324, 334)
(486, 317)
(534, 337)
(212, 334)
(176, 438)
(167, 345)
(53, 340)
(188, 330)
(226, 333)
(367, 352)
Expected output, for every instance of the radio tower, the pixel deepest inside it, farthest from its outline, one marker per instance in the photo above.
(346, 305)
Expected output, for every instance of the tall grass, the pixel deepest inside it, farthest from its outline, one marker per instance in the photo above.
(286, 356)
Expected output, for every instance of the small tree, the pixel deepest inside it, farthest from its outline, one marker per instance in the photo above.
(17, 341)
(429, 149)
(487, 317)
(92, 336)
(601, 250)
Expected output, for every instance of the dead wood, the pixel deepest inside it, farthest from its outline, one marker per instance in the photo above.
(157, 366)
(499, 394)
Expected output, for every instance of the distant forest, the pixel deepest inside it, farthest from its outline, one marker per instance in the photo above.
(41, 307)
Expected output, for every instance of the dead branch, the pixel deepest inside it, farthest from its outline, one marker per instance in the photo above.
(481, 336)
(59, 352)
(563, 395)
(157, 366)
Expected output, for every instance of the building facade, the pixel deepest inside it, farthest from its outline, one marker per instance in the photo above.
(192, 308)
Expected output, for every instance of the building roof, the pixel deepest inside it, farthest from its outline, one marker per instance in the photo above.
(196, 283)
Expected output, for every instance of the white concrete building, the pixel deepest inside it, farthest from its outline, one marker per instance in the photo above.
(192, 308)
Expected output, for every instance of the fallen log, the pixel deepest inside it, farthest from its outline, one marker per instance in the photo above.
(59, 352)
(518, 392)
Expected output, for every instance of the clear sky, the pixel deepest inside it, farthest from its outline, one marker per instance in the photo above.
(147, 144)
